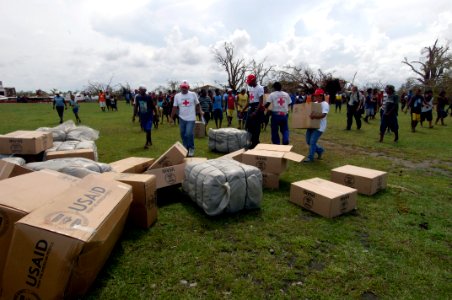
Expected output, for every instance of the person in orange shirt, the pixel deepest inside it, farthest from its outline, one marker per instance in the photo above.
(102, 100)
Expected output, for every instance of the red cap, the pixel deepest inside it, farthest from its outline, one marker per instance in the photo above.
(318, 92)
(250, 78)
(184, 84)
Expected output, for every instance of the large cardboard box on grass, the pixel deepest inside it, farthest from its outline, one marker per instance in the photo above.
(143, 210)
(25, 142)
(132, 165)
(323, 197)
(8, 170)
(85, 153)
(270, 158)
(168, 176)
(173, 156)
(23, 194)
(366, 181)
(57, 250)
(301, 113)
(270, 180)
(200, 129)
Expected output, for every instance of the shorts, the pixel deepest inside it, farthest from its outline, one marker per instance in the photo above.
(102, 104)
(218, 114)
(415, 117)
(230, 112)
(428, 115)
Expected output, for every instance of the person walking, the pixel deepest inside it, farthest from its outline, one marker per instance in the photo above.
(60, 105)
(427, 108)
(218, 108)
(354, 106)
(206, 106)
(415, 104)
(389, 116)
(145, 108)
(313, 134)
(75, 107)
(441, 108)
(280, 102)
(102, 101)
(186, 103)
(255, 109)
(230, 107)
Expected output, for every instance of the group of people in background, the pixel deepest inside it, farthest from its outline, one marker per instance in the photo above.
(254, 107)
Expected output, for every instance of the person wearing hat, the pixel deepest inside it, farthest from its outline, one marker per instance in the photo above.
(145, 108)
(354, 105)
(186, 104)
(60, 105)
(313, 135)
(389, 116)
(255, 109)
(280, 102)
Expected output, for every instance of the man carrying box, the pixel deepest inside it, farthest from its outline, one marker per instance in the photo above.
(313, 135)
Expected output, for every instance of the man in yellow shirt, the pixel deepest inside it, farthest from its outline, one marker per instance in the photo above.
(242, 100)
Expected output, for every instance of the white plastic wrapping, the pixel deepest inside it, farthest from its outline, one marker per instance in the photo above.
(73, 145)
(75, 166)
(226, 140)
(221, 185)
(68, 131)
(13, 159)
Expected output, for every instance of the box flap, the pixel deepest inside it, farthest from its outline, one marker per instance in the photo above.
(132, 164)
(272, 147)
(8, 169)
(266, 153)
(236, 155)
(359, 171)
(324, 187)
(293, 156)
(173, 156)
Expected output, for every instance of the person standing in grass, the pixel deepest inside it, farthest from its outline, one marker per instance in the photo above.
(60, 105)
(218, 108)
(230, 107)
(427, 108)
(415, 104)
(146, 109)
(206, 106)
(187, 104)
(255, 108)
(441, 108)
(102, 101)
(242, 100)
(280, 102)
(354, 105)
(313, 135)
(389, 116)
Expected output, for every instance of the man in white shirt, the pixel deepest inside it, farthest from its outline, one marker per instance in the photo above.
(313, 135)
(186, 104)
(280, 102)
(255, 108)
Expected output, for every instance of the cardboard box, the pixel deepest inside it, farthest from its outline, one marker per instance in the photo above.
(143, 210)
(85, 153)
(135, 165)
(25, 142)
(8, 169)
(323, 197)
(200, 129)
(270, 180)
(173, 156)
(366, 181)
(168, 176)
(301, 113)
(57, 250)
(23, 194)
(270, 158)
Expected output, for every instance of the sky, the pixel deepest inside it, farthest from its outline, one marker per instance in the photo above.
(66, 44)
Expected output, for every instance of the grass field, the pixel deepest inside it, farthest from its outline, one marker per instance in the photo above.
(396, 245)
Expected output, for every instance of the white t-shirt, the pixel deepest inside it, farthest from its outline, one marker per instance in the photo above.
(325, 110)
(280, 101)
(255, 93)
(187, 105)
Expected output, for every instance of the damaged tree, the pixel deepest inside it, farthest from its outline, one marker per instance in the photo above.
(235, 67)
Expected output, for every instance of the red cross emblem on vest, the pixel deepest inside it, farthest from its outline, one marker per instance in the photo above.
(186, 102)
(281, 101)
(252, 96)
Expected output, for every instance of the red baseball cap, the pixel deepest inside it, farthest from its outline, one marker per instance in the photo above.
(250, 78)
(184, 84)
(318, 92)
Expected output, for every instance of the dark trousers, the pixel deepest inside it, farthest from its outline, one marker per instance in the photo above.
(253, 125)
(60, 111)
(352, 112)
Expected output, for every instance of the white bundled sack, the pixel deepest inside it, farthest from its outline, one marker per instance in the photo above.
(68, 131)
(221, 185)
(13, 159)
(75, 166)
(226, 140)
(73, 145)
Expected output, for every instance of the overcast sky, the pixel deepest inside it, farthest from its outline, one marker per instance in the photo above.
(64, 44)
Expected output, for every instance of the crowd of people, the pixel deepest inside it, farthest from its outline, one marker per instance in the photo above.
(255, 107)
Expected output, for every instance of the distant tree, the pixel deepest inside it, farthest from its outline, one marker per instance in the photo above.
(235, 67)
(433, 66)
(261, 71)
(173, 84)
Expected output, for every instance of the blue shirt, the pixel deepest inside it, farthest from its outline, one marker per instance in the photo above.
(218, 102)
(58, 101)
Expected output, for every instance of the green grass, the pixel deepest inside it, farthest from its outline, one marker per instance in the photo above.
(396, 245)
